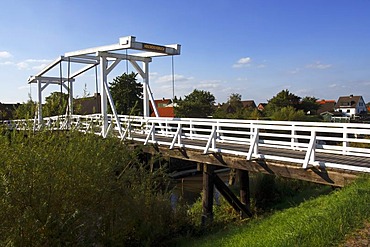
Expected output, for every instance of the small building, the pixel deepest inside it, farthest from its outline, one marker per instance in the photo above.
(351, 106)
(165, 108)
(249, 104)
(88, 105)
(325, 106)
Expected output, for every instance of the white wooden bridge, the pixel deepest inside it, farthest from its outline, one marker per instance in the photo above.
(328, 153)
(343, 146)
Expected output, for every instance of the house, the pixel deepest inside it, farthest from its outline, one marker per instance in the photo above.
(249, 104)
(165, 108)
(325, 106)
(351, 106)
(88, 105)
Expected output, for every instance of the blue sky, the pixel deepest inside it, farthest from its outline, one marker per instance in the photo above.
(252, 47)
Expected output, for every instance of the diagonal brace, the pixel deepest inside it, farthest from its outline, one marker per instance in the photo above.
(310, 154)
(211, 140)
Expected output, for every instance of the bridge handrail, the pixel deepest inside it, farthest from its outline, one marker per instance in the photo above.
(249, 138)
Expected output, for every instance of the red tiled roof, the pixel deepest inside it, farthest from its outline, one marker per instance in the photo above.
(165, 112)
(323, 101)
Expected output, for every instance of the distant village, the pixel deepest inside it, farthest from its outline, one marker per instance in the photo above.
(349, 108)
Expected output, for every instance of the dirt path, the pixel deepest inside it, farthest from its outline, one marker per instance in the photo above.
(360, 238)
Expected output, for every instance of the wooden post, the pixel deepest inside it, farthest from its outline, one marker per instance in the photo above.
(208, 188)
(245, 197)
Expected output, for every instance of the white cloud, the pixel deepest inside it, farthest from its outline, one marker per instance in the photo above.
(295, 71)
(5, 54)
(32, 64)
(318, 65)
(242, 79)
(22, 65)
(168, 78)
(39, 67)
(243, 62)
(7, 63)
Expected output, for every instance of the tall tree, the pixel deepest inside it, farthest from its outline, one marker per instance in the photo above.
(283, 99)
(127, 94)
(198, 104)
(235, 101)
(309, 105)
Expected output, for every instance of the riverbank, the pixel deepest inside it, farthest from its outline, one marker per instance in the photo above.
(323, 221)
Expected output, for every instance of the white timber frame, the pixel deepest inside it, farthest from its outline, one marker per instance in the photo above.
(107, 58)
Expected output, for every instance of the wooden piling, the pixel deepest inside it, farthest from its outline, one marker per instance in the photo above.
(245, 196)
(208, 189)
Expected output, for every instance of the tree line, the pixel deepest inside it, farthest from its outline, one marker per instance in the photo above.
(127, 94)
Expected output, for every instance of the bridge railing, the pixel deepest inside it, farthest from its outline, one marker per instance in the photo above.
(305, 143)
(296, 142)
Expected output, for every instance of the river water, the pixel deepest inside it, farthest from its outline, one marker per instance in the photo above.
(189, 188)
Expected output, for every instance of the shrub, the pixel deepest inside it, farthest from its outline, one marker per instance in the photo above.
(79, 190)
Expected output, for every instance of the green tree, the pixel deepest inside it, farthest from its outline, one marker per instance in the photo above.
(288, 114)
(198, 104)
(281, 100)
(309, 105)
(55, 104)
(255, 114)
(127, 94)
(26, 110)
(233, 108)
(235, 101)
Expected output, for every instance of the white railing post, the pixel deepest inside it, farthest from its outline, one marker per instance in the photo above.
(191, 129)
(345, 142)
(293, 139)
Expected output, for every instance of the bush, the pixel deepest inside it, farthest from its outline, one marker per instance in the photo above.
(79, 190)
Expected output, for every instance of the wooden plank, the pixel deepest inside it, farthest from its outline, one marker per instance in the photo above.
(334, 177)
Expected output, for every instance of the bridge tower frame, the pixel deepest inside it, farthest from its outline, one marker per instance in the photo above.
(107, 58)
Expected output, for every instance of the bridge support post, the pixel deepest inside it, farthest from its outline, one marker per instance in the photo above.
(208, 189)
(39, 106)
(245, 196)
(103, 98)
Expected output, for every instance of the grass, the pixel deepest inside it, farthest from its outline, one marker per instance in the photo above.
(323, 221)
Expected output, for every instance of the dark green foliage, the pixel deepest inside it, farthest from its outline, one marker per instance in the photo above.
(26, 110)
(127, 94)
(285, 106)
(55, 104)
(309, 105)
(68, 189)
(198, 104)
(281, 100)
(288, 114)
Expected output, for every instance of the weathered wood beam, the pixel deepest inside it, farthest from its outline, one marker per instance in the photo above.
(328, 176)
(245, 196)
(208, 190)
(230, 197)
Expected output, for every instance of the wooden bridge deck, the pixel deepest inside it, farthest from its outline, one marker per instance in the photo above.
(317, 174)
